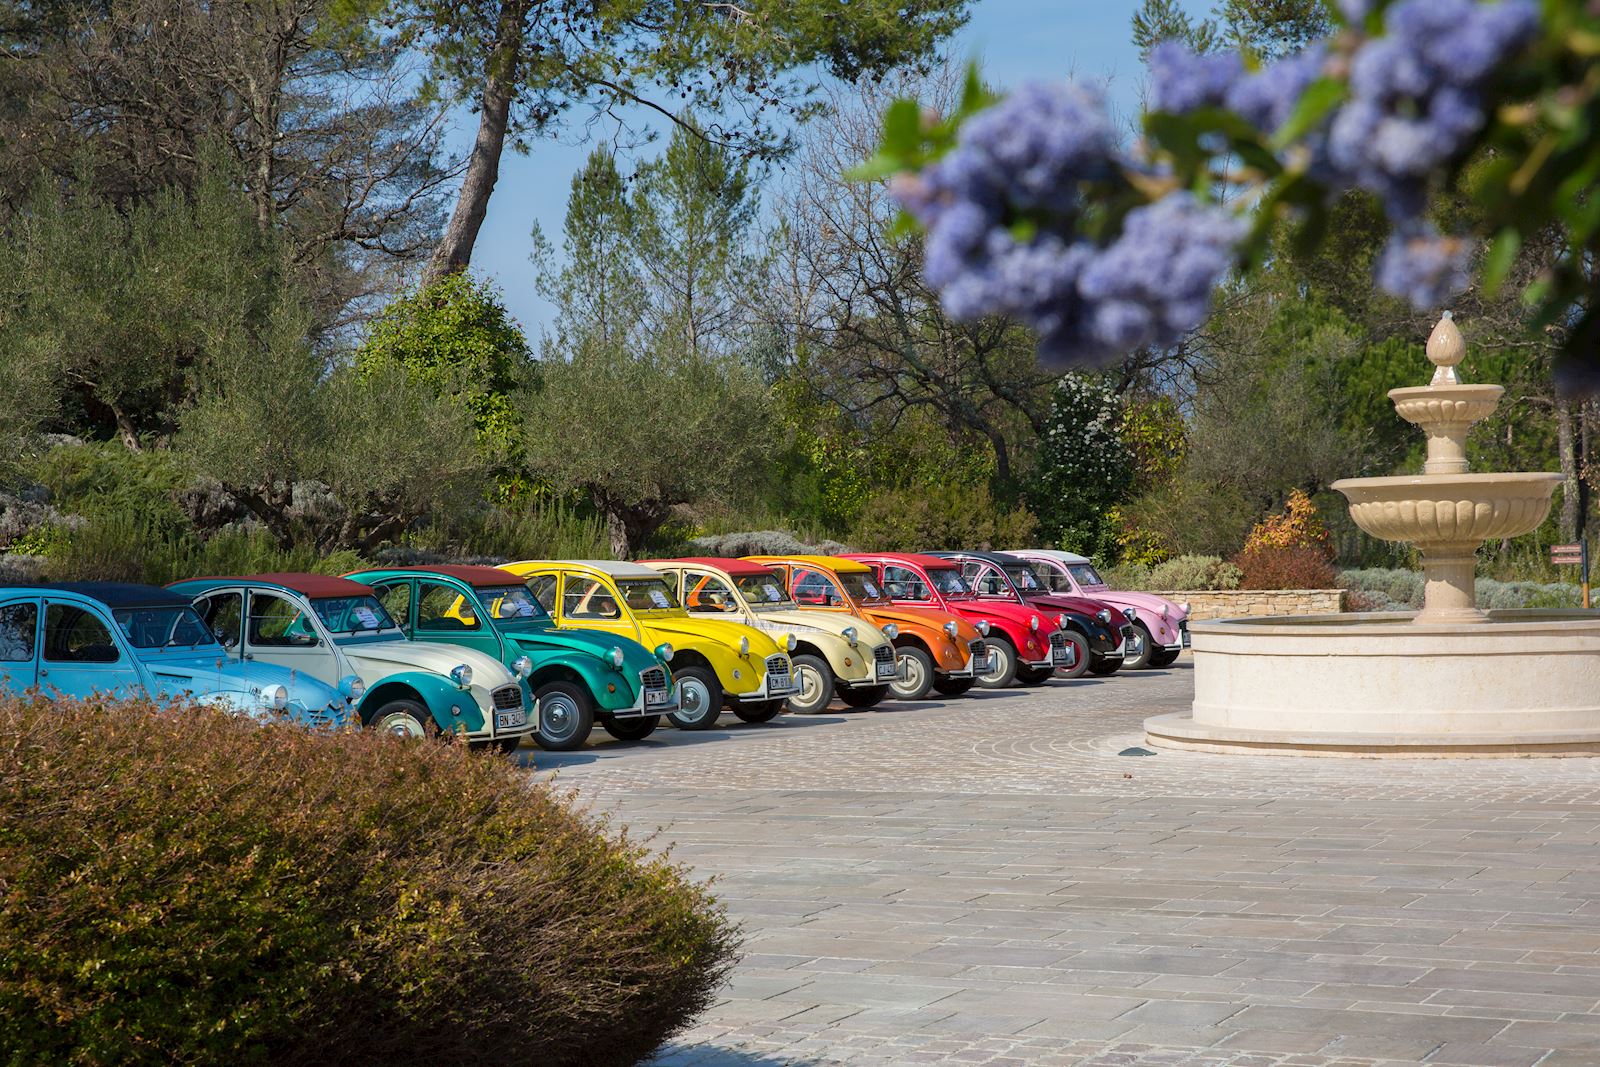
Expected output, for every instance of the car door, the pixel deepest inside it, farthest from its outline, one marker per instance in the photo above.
(223, 611)
(986, 580)
(450, 614)
(590, 603)
(279, 631)
(704, 593)
(397, 599)
(81, 655)
(19, 644)
(905, 584)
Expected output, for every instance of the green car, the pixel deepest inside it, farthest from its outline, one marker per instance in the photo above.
(576, 676)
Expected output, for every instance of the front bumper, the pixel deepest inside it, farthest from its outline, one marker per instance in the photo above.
(777, 682)
(882, 669)
(977, 662)
(651, 701)
(1060, 657)
(505, 719)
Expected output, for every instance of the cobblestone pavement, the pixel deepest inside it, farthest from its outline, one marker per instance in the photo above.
(988, 881)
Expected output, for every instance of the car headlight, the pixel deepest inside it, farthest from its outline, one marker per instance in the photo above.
(744, 647)
(615, 656)
(352, 688)
(523, 666)
(950, 630)
(849, 634)
(461, 674)
(1163, 611)
(1033, 622)
(1184, 607)
(1131, 613)
(275, 697)
(983, 627)
(1104, 615)
(1061, 622)
(789, 643)
(891, 631)
(664, 652)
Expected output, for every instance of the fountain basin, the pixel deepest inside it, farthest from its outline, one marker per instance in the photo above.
(1449, 509)
(1431, 406)
(1527, 682)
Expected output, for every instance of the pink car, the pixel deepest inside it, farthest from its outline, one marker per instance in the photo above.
(1165, 624)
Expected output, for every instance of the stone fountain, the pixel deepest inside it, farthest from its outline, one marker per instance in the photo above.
(1450, 679)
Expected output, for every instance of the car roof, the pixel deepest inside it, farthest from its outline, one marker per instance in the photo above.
(613, 567)
(919, 559)
(841, 564)
(122, 594)
(1051, 553)
(472, 574)
(999, 559)
(726, 564)
(312, 585)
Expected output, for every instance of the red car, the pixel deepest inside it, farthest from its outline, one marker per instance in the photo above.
(1024, 645)
(1002, 576)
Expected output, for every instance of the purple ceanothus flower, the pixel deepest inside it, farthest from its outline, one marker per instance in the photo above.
(1267, 98)
(1424, 267)
(1182, 81)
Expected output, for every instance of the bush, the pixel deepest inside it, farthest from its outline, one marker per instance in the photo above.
(1401, 590)
(117, 547)
(1194, 572)
(943, 516)
(1297, 526)
(203, 890)
(1285, 568)
(538, 529)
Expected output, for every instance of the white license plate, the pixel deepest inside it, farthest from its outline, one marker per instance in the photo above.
(887, 670)
(510, 720)
(779, 686)
(654, 698)
(1061, 656)
(1186, 639)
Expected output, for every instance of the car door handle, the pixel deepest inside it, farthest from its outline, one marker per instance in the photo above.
(248, 656)
(43, 671)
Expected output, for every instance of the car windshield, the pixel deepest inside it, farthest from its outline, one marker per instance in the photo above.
(949, 582)
(1085, 574)
(646, 594)
(862, 588)
(352, 614)
(763, 592)
(1050, 578)
(513, 606)
(163, 627)
(1023, 579)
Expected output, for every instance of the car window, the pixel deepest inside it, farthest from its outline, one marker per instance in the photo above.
(19, 626)
(815, 588)
(275, 622)
(1050, 578)
(223, 612)
(903, 583)
(442, 609)
(1086, 574)
(543, 588)
(986, 580)
(76, 635)
(707, 592)
(396, 600)
(588, 598)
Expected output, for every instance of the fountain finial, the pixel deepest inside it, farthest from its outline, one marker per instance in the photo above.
(1445, 350)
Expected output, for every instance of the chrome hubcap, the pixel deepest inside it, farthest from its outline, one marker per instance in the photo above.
(558, 716)
(810, 685)
(399, 724)
(999, 660)
(909, 678)
(696, 701)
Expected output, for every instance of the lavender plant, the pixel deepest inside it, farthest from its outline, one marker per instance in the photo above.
(1033, 208)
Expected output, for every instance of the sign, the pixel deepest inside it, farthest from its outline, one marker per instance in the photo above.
(1566, 555)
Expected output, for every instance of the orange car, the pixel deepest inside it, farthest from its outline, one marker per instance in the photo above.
(934, 649)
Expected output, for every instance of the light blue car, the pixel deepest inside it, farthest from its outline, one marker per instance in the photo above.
(124, 640)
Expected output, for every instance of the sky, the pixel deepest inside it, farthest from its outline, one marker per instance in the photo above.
(1015, 41)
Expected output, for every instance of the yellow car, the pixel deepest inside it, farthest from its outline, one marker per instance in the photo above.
(713, 662)
(836, 652)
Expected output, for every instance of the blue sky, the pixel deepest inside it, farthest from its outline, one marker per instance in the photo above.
(1016, 40)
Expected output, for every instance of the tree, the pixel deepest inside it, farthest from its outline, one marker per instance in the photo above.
(1270, 28)
(525, 64)
(1084, 469)
(598, 289)
(642, 431)
(1166, 20)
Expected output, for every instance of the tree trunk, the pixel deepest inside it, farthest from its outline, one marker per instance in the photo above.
(483, 165)
(1566, 448)
(126, 430)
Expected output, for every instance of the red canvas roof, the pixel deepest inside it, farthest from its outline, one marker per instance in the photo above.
(927, 563)
(313, 585)
(472, 574)
(728, 564)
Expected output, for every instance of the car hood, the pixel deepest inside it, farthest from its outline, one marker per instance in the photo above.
(1146, 603)
(1078, 604)
(595, 643)
(904, 616)
(213, 671)
(376, 659)
(723, 633)
(799, 621)
(1009, 610)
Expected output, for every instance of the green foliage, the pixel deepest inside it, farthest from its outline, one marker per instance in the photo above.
(1084, 468)
(1195, 572)
(274, 895)
(1390, 589)
(1166, 20)
(1188, 516)
(946, 515)
(456, 337)
(525, 528)
(129, 547)
(597, 288)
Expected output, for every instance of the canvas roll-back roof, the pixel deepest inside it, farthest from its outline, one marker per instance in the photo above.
(121, 594)
(920, 559)
(727, 564)
(473, 574)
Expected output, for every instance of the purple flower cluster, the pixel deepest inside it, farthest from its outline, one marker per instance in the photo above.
(1029, 157)
(1268, 97)
(1182, 81)
(1424, 266)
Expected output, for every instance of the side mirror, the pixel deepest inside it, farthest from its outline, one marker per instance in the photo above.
(226, 640)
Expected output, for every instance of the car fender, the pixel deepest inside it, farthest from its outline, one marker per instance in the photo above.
(596, 677)
(438, 695)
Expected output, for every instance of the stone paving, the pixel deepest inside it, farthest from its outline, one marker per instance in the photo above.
(988, 881)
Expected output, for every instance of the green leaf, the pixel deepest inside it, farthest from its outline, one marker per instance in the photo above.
(1502, 254)
(876, 169)
(1320, 97)
(902, 129)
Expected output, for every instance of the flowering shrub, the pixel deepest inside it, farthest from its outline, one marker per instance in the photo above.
(1297, 526)
(1285, 568)
(1194, 572)
(1032, 208)
(1084, 467)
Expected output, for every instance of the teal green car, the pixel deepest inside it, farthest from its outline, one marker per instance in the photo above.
(577, 677)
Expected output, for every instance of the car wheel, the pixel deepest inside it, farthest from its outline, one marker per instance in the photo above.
(1165, 658)
(953, 687)
(813, 680)
(914, 674)
(1141, 649)
(566, 716)
(1002, 666)
(406, 719)
(1103, 668)
(699, 699)
(863, 696)
(1031, 676)
(762, 711)
(633, 728)
(1080, 655)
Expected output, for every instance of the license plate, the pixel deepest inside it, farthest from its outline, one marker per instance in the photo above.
(1186, 639)
(1065, 656)
(780, 687)
(510, 720)
(980, 663)
(654, 698)
(887, 670)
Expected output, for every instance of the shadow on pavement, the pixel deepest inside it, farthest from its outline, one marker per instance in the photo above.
(703, 1056)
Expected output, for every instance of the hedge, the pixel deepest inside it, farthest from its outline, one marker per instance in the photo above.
(184, 887)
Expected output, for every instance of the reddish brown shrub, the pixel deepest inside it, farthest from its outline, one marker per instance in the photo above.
(186, 887)
(1285, 568)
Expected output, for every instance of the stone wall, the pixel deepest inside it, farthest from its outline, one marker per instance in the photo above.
(1241, 603)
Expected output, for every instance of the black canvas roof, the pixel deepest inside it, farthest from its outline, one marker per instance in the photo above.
(123, 594)
(999, 559)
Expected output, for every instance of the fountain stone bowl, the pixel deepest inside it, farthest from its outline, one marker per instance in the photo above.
(1449, 509)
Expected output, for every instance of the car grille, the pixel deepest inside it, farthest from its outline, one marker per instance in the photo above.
(507, 697)
(653, 678)
(883, 654)
(977, 648)
(777, 670)
(1127, 632)
(1057, 640)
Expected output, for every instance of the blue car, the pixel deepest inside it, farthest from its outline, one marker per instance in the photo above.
(124, 640)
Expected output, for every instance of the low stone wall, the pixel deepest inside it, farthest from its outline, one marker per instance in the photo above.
(1243, 603)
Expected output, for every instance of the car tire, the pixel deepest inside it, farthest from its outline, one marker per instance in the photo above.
(863, 696)
(1032, 676)
(953, 687)
(1147, 650)
(406, 719)
(1165, 658)
(633, 728)
(763, 711)
(1002, 670)
(914, 676)
(1104, 668)
(813, 680)
(508, 745)
(566, 716)
(699, 699)
(1081, 657)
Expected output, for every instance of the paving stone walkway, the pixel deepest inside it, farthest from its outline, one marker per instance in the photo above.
(988, 881)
